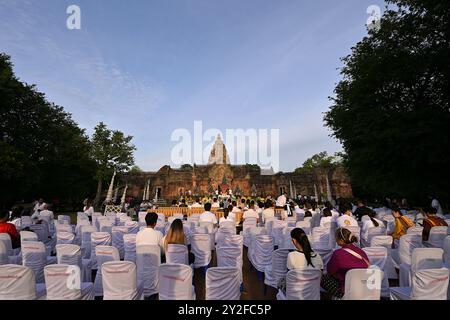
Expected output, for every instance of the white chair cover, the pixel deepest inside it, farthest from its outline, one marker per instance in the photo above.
(230, 257)
(436, 237)
(63, 217)
(262, 252)
(63, 282)
(64, 228)
(305, 225)
(363, 284)
(421, 259)
(148, 260)
(286, 240)
(98, 239)
(201, 248)
(71, 254)
(123, 220)
(277, 231)
(446, 246)
(177, 253)
(302, 284)
(428, 284)
(26, 221)
(28, 236)
(222, 233)
(4, 258)
(278, 269)
(6, 240)
(141, 216)
(119, 281)
(117, 239)
(64, 237)
(34, 256)
(86, 240)
(133, 226)
(129, 244)
(372, 232)
(322, 239)
(378, 257)
(407, 244)
(415, 230)
(17, 283)
(104, 254)
(175, 282)
(223, 283)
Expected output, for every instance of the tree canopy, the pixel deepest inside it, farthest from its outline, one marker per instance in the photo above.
(320, 160)
(42, 150)
(391, 109)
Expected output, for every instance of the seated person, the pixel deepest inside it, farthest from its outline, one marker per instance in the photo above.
(208, 216)
(372, 222)
(431, 220)
(346, 219)
(9, 228)
(175, 235)
(347, 258)
(327, 218)
(150, 236)
(268, 212)
(251, 213)
(402, 224)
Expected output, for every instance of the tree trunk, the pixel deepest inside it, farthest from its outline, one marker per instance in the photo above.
(99, 193)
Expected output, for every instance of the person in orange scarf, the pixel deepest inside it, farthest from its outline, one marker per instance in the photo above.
(432, 220)
(402, 224)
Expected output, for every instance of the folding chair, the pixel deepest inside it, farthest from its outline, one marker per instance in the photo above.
(421, 258)
(117, 239)
(34, 256)
(104, 254)
(119, 281)
(70, 254)
(277, 269)
(18, 283)
(428, 284)
(201, 248)
(363, 284)
(148, 260)
(129, 245)
(302, 284)
(98, 239)
(436, 237)
(63, 282)
(222, 283)
(175, 282)
(177, 253)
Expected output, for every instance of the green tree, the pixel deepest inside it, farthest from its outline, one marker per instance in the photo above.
(43, 152)
(391, 109)
(112, 151)
(135, 169)
(320, 160)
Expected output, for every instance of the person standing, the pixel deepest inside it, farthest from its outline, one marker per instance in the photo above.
(89, 210)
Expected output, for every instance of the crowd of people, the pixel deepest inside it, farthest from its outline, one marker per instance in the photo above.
(343, 213)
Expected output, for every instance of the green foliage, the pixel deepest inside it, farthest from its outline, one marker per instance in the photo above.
(42, 150)
(320, 160)
(135, 169)
(391, 109)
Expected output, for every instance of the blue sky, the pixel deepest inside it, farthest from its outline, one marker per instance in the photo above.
(148, 67)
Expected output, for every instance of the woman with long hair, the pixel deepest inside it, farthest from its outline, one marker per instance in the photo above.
(176, 235)
(347, 258)
(303, 256)
(370, 222)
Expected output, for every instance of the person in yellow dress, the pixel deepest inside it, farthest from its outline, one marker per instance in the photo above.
(402, 224)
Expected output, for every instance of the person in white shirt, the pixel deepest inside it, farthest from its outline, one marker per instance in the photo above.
(226, 216)
(39, 206)
(89, 210)
(435, 204)
(304, 256)
(233, 212)
(215, 203)
(208, 216)
(251, 213)
(150, 236)
(370, 222)
(346, 219)
(327, 218)
(47, 213)
(268, 212)
(281, 200)
(196, 204)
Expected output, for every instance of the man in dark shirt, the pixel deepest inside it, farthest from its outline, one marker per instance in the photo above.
(9, 228)
(432, 220)
(361, 211)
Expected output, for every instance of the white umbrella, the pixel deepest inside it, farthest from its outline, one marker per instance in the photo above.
(291, 190)
(315, 193)
(115, 194)
(110, 189)
(329, 197)
(145, 192)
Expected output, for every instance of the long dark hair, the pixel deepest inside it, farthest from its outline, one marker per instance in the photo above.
(345, 235)
(302, 239)
(371, 215)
